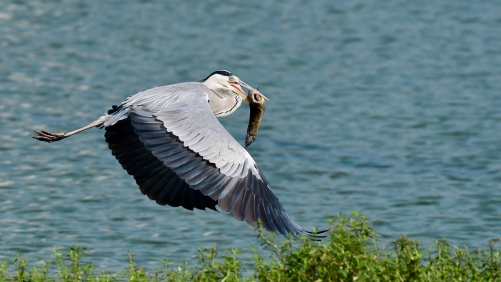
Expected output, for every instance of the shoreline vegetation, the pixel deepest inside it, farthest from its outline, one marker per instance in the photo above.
(349, 253)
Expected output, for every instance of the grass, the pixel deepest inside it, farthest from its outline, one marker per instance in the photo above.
(350, 253)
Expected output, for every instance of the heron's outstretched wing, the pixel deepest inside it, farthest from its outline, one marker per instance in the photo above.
(189, 140)
(154, 179)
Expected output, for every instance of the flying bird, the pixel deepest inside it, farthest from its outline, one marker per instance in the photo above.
(170, 140)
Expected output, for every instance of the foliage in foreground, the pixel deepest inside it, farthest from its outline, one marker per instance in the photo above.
(350, 253)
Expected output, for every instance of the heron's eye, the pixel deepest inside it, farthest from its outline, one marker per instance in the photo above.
(233, 79)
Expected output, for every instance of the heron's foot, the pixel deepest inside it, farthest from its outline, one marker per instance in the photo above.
(48, 136)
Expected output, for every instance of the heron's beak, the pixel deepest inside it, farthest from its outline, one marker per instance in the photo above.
(251, 90)
(239, 90)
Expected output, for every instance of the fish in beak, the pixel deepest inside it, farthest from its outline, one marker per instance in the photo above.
(256, 102)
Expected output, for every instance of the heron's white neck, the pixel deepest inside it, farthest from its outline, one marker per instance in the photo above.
(224, 103)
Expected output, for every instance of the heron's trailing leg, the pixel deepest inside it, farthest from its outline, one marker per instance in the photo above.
(50, 136)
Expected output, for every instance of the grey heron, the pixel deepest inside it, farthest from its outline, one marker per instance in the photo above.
(170, 140)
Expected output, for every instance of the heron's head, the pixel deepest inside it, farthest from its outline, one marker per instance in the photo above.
(224, 83)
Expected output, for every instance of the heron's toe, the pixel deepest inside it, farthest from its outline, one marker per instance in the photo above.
(48, 136)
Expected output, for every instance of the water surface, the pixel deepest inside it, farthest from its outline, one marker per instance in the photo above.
(391, 109)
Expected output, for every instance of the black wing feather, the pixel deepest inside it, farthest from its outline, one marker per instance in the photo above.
(152, 176)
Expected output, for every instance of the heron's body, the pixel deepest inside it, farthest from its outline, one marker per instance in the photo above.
(169, 139)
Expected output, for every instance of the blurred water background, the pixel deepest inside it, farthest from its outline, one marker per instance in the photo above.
(390, 108)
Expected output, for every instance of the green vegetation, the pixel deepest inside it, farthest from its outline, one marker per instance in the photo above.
(350, 253)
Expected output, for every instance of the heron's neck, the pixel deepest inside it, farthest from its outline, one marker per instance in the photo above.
(223, 104)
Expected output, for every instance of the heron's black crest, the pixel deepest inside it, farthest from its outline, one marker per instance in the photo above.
(221, 72)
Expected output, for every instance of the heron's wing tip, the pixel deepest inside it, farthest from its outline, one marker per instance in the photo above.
(316, 232)
(314, 235)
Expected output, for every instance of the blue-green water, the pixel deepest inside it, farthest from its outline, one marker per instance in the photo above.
(392, 109)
